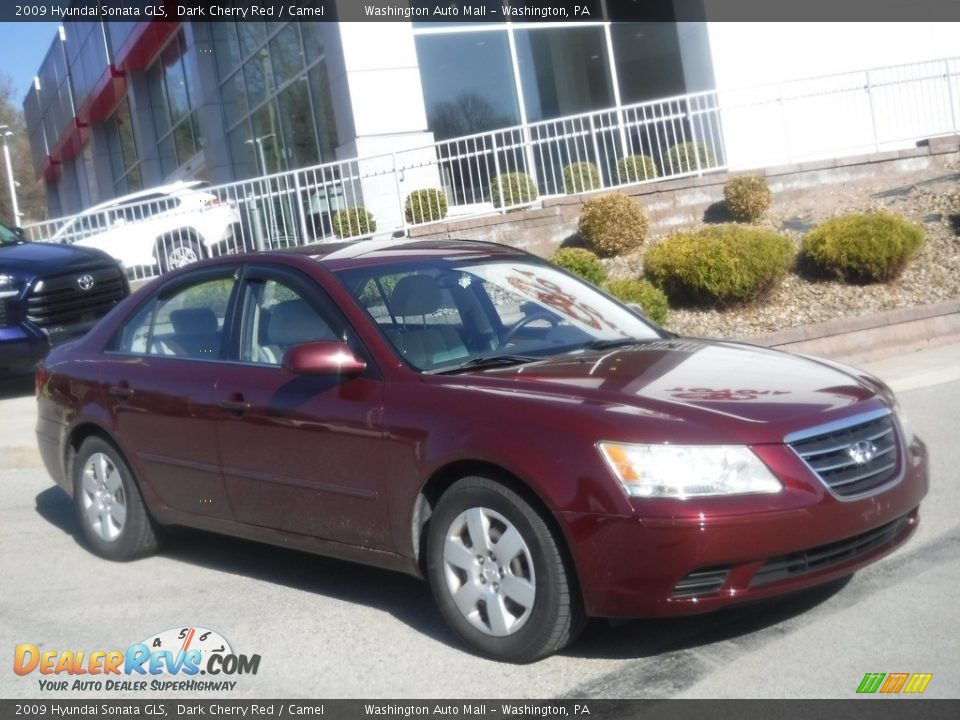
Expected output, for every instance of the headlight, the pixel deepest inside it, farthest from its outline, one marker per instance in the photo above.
(9, 286)
(683, 471)
(905, 424)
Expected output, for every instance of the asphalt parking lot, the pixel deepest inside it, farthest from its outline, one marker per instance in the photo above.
(328, 629)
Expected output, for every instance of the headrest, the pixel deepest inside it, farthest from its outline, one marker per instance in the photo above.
(415, 295)
(294, 321)
(194, 321)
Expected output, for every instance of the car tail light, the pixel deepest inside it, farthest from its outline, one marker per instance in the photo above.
(41, 380)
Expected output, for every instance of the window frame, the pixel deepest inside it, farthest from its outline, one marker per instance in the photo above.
(309, 290)
(165, 292)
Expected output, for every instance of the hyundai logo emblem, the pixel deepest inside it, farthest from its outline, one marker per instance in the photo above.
(85, 282)
(862, 452)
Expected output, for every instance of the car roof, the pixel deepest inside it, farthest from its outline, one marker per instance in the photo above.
(171, 189)
(337, 256)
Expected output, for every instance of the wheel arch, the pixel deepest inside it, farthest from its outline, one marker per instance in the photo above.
(186, 232)
(76, 438)
(444, 477)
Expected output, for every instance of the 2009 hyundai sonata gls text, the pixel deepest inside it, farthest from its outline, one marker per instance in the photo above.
(465, 411)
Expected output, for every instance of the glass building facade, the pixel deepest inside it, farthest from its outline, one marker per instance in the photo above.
(229, 101)
(177, 126)
(276, 95)
(480, 77)
(124, 158)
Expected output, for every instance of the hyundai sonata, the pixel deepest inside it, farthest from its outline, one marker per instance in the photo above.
(468, 413)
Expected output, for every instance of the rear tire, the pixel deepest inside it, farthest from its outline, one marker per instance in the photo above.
(108, 504)
(177, 252)
(498, 573)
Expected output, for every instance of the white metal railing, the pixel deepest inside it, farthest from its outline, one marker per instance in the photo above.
(685, 135)
(843, 114)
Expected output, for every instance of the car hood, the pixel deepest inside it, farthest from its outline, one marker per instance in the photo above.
(35, 257)
(717, 391)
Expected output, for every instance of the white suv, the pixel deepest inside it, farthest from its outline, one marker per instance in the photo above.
(169, 226)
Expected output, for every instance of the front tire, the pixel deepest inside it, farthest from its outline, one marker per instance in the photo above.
(108, 504)
(498, 573)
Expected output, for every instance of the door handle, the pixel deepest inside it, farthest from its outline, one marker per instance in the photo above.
(122, 390)
(235, 405)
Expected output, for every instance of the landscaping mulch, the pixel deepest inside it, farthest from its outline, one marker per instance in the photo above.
(932, 276)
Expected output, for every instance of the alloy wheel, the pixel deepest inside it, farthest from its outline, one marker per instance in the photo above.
(489, 571)
(104, 501)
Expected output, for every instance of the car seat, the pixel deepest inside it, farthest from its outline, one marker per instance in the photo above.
(196, 333)
(291, 323)
(424, 345)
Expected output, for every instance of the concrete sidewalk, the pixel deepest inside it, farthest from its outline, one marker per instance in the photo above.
(918, 369)
(18, 407)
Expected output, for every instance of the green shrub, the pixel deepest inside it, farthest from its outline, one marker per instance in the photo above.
(612, 224)
(425, 205)
(720, 264)
(513, 189)
(643, 293)
(635, 168)
(580, 177)
(353, 221)
(580, 262)
(866, 247)
(747, 197)
(683, 157)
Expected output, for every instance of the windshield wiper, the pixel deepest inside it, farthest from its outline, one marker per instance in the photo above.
(485, 361)
(614, 343)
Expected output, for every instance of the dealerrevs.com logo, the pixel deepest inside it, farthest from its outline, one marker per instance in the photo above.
(189, 659)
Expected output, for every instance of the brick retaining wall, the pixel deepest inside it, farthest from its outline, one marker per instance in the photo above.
(681, 203)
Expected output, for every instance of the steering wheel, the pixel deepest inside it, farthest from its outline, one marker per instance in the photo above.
(524, 321)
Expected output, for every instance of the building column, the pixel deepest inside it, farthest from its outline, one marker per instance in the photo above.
(97, 164)
(378, 101)
(68, 188)
(54, 205)
(201, 67)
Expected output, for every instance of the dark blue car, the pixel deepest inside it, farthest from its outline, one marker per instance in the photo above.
(50, 294)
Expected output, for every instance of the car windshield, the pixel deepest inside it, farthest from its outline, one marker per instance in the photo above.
(452, 315)
(8, 236)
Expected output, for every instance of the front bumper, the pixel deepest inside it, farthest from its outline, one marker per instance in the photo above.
(695, 559)
(21, 349)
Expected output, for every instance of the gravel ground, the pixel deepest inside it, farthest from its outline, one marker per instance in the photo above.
(932, 276)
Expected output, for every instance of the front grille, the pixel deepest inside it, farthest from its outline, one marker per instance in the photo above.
(852, 460)
(60, 307)
(701, 582)
(3, 313)
(828, 556)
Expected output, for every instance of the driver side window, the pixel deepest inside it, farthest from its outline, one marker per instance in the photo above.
(275, 318)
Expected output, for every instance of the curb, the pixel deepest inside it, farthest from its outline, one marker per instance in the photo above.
(872, 337)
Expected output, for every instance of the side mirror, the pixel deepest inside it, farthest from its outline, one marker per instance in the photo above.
(323, 357)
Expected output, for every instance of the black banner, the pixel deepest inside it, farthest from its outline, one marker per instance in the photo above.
(480, 11)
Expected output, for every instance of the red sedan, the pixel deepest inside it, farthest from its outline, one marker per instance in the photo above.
(469, 413)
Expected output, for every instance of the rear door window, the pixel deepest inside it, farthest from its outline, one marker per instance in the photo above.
(187, 323)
